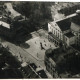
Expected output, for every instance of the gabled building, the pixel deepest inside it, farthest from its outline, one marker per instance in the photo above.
(75, 28)
(65, 31)
(60, 30)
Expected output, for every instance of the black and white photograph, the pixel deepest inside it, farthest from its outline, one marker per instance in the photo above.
(39, 40)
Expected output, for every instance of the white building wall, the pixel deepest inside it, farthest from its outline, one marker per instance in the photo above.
(70, 41)
(49, 28)
(67, 41)
(77, 39)
(54, 28)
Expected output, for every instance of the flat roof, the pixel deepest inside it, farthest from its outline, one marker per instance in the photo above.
(69, 35)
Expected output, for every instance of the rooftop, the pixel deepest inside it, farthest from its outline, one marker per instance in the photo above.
(4, 24)
(69, 34)
(29, 70)
(64, 24)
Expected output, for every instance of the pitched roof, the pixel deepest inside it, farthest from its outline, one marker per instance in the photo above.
(42, 74)
(33, 66)
(64, 24)
(69, 35)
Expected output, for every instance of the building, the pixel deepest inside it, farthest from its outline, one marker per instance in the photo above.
(41, 73)
(50, 63)
(70, 38)
(68, 8)
(65, 30)
(54, 59)
(29, 70)
(60, 30)
(75, 28)
(32, 71)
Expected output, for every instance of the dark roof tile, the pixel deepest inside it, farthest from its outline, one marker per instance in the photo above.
(42, 74)
(64, 24)
(69, 34)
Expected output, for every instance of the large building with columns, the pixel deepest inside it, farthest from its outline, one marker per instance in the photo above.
(63, 31)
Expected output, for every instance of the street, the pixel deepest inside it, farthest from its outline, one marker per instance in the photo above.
(34, 53)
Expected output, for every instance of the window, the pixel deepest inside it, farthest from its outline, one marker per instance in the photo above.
(57, 43)
(53, 40)
(66, 39)
(54, 31)
(58, 34)
(5, 6)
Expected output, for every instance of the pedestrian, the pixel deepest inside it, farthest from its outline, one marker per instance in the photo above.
(35, 42)
(37, 54)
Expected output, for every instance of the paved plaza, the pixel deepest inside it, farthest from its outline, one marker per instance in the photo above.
(35, 47)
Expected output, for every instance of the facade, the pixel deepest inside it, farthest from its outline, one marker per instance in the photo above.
(32, 71)
(54, 29)
(59, 30)
(70, 38)
(53, 59)
(50, 66)
(75, 28)
(66, 29)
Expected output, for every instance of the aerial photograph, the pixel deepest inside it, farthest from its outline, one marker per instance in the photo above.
(39, 40)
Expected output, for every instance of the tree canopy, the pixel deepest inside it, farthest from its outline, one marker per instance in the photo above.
(37, 12)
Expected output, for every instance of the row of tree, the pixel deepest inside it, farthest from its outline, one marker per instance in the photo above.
(37, 12)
